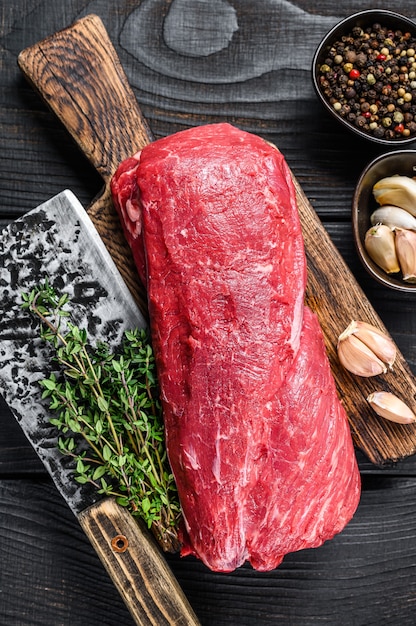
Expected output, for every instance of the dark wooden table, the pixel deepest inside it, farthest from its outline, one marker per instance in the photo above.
(191, 62)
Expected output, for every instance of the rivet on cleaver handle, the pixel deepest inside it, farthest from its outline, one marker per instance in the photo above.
(58, 240)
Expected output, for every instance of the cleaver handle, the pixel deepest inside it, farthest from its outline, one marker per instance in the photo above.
(135, 564)
(79, 75)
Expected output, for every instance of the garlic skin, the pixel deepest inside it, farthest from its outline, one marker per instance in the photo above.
(406, 254)
(393, 217)
(358, 359)
(397, 190)
(364, 350)
(380, 245)
(389, 406)
(381, 344)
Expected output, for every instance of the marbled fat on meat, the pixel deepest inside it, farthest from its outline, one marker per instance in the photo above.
(257, 439)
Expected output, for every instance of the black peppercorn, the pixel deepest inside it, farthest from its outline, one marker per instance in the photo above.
(360, 121)
(378, 132)
(361, 59)
(350, 93)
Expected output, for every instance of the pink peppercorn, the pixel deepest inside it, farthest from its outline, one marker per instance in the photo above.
(354, 74)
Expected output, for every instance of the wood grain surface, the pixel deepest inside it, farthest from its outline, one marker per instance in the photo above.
(79, 75)
(189, 63)
(137, 566)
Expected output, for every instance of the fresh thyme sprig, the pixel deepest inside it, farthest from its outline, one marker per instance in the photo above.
(110, 401)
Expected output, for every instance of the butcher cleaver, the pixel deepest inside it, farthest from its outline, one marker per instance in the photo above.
(58, 241)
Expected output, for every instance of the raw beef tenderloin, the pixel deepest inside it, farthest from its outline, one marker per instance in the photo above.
(257, 439)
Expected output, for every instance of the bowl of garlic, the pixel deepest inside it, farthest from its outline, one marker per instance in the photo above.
(384, 219)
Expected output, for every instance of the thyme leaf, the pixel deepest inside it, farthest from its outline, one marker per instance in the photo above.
(111, 403)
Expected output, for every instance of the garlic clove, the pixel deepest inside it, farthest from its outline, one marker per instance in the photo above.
(397, 190)
(381, 344)
(390, 407)
(380, 245)
(406, 254)
(393, 217)
(357, 358)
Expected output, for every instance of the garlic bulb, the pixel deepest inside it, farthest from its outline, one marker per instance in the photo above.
(397, 190)
(380, 245)
(365, 350)
(406, 254)
(391, 407)
(393, 217)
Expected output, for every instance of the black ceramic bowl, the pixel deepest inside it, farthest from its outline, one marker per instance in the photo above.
(400, 162)
(363, 19)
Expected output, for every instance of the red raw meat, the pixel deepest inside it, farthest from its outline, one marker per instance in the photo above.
(309, 485)
(257, 439)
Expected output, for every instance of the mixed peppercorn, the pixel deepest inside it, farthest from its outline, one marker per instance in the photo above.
(369, 79)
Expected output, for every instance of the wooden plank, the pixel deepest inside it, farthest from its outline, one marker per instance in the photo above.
(50, 574)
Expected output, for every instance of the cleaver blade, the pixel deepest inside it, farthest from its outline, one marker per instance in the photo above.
(58, 241)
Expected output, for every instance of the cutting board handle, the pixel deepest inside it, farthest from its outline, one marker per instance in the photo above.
(79, 75)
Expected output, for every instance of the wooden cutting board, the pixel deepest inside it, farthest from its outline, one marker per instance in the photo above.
(79, 75)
